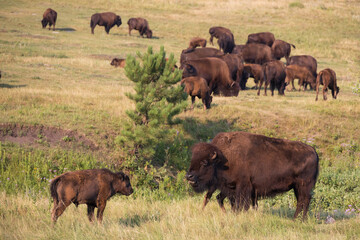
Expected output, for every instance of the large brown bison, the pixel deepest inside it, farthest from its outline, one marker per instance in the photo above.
(225, 38)
(216, 73)
(306, 61)
(49, 17)
(274, 74)
(197, 87)
(301, 73)
(256, 53)
(118, 62)
(245, 167)
(281, 49)
(198, 53)
(327, 77)
(106, 19)
(92, 187)
(140, 24)
(255, 71)
(266, 38)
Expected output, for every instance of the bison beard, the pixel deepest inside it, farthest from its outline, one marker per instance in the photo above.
(245, 167)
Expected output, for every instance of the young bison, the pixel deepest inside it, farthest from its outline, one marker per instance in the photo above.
(302, 73)
(197, 87)
(49, 17)
(197, 42)
(118, 62)
(92, 187)
(140, 24)
(255, 71)
(327, 77)
(106, 19)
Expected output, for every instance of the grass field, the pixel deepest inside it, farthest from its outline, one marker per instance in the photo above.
(63, 80)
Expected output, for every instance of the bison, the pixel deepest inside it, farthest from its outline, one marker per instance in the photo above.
(274, 74)
(92, 187)
(246, 166)
(118, 62)
(197, 42)
(49, 17)
(256, 53)
(216, 73)
(106, 19)
(225, 38)
(266, 38)
(197, 87)
(281, 49)
(255, 71)
(302, 73)
(140, 24)
(306, 61)
(327, 77)
(198, 53)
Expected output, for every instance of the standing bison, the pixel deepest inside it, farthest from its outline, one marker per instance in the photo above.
(246, 167)
(281, 49)
(266, 38)
(92, 187)
(327, 77)
(255, 71)
(197, 87)
(302, 73)
(306, 61)
(225, 38)
(106, 19)
(49, 17)
(274, 74)
(141, 25)
(197, 42)
(256, 53)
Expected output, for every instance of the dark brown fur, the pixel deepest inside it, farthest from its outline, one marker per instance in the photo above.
(106, 19)
(140, 24)
(255, 71)
(49, 17)
(274, 74)
(256, 53)
(266, 38)
(92, 187)
(281, 49)
(198, 53)
(118, 62)
(197, 87)
(301, 73)
(225, 38)
(245, 167)
(327, 77)
(306, 61)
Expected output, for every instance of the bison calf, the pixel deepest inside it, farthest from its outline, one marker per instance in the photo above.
(327, 77)
(302, 73)
(197, 87)
(106, 19)
(92, 187)
(118, 62)
(255, 71)
(140, 24)
(49, 17)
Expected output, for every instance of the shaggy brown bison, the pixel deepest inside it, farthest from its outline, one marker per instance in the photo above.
(266, 38)
(92, 187)
(140, 24)
(118, 62)
(327, 77)
(255, 71)
(302, 73)
(256, 53)
(281, 49)
(197, 87)
(49, 17)
(225, 38)
(106, 19)
(274, 74)
(306, 61)
(198, 53)
(245, 167)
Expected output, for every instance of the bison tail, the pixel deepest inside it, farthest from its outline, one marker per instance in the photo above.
(293, 45)
(53, 188)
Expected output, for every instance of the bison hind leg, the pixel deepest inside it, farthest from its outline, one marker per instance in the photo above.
(90, 212)
(59, 209)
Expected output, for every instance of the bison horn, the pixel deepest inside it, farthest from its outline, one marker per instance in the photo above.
(214, 156)
(232, 84)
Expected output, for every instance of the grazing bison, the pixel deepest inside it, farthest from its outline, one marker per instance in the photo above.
(197, 87)
(327, 77)
(49, 17)
(92, 187)
(274, 74)
(256, 53)
(216, 73)
(140, 24)
(245, 167)
(281, 49)
(225, 38)
(255, 71)
(302, 73)
(236, 68)
(266, 38)
(118, 62)
(106, 19)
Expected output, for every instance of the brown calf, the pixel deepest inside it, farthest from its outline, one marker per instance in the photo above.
(327, 77)
(118, 62)
(302, 73)
(255, 71)
(197, 42)
(197, 87)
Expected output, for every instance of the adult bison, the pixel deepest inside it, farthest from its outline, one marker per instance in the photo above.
(198, 53)
(327, 77)
(216, 73)
(92, 187)
(140, 24)
(281, 49)
(245, 167)
(225, 38)
(256, 53)
(306, 61)
(266, 38)
(106, 19)
(49, 17)
(197, 87)
(274, 74)
(301, 73)
(118, 62)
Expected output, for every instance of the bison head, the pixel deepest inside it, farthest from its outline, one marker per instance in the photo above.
(122, 184)
(118, 21)
(44, 22)
(189, 70)
(206, 160)
(148, 33)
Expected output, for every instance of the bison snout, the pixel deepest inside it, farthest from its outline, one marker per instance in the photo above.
(190, 177)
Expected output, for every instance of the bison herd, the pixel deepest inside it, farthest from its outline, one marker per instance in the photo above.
(244, 167)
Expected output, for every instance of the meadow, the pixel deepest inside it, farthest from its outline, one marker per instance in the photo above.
(62, 105)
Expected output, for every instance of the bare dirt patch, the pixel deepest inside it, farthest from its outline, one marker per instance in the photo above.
(47, 136)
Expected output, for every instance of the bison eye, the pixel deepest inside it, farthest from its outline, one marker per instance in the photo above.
(204, 162)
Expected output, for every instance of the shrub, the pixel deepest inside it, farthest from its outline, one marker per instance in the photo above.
(296, 5)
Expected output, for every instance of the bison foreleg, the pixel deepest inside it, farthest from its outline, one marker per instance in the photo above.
(90, 212)
(192, 102)
(101, 207)
(220, 199)
(207, 197)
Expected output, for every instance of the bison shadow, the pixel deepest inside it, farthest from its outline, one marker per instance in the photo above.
(136, 220)
(4, 85)
(65, 29)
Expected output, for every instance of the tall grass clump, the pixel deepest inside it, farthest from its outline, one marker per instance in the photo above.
(296, 5)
